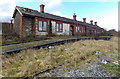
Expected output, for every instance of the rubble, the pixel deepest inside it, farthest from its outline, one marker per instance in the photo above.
(98, 52)
(50, 47)
(104, 61)
(66, 48)
(93, 70)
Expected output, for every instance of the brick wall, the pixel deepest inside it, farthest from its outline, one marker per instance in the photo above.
(5, 28)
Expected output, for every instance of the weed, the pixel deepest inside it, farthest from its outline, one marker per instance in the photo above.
(27, 62)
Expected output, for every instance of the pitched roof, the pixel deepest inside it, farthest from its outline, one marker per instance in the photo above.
(34, 13)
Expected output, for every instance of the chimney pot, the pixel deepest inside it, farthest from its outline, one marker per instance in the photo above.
(84, 19)
(95, 23)
(42, 8)
(74, 16)
(91, 21)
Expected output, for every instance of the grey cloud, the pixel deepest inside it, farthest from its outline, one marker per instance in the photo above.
(5, 19)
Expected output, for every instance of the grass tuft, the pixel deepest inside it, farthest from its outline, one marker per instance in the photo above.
(27, 62)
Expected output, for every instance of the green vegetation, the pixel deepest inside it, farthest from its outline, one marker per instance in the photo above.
(8, 47)
(27, 62)
(14, 38)
(113, 68)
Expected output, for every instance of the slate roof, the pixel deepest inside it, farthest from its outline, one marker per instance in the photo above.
(34, 13)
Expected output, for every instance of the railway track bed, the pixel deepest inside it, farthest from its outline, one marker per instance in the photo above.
(45, 43)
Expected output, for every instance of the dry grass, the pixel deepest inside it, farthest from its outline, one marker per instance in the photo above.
(9, 47)
(27, 62)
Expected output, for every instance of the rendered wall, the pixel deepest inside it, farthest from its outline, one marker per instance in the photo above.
(65, 29)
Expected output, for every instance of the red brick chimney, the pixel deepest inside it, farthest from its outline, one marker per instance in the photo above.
(95, 23)
(42, 8)
(84, 19)
(74, 16)
(91, 21)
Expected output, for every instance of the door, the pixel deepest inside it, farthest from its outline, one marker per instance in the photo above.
(49, 28)
(71, 30)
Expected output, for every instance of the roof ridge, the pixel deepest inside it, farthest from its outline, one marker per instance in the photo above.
(72, 20)
(62, 17)
(26, 8)
(53, 14)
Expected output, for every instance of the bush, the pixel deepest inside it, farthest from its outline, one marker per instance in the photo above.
(13, 36)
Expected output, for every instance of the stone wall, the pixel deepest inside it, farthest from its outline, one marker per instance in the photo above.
(16, 25)
(28, 24)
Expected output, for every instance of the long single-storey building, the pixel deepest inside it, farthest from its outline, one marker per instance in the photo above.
(29, 22)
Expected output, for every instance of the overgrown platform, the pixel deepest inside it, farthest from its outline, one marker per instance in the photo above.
(43, 43)
(72, 56)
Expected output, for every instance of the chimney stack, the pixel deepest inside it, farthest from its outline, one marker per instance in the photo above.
(84, 19)
(95, 23)
(42, 8)
(74, 16)
(91, 21)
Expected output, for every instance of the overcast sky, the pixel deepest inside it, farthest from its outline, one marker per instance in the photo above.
(105, 12)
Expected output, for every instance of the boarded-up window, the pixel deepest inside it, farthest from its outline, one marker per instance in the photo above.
(40, 26)
(77, 29)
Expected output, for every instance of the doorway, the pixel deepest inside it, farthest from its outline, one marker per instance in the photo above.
(72, 30)
(49, 28)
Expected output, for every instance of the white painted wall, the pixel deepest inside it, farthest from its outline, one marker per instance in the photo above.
(53, 26)
(66, 28)
(41, 33)
(38, 32)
